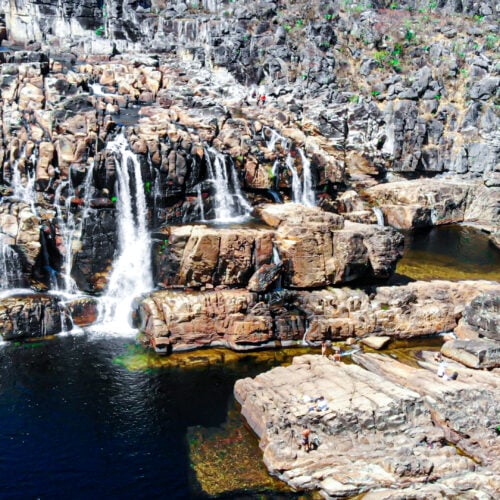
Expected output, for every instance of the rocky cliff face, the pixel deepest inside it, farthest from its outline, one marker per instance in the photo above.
(357, 99)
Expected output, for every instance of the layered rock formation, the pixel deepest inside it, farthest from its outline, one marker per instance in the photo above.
(357, 99)
(241, 319)
(389, 430)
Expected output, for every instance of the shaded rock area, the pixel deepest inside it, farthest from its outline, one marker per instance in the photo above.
(28, 315)
(33, 315)
(386, 428)
(240, 319)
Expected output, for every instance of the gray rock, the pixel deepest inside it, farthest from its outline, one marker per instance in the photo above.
(477, 353)
(485, 88)
(483, 313)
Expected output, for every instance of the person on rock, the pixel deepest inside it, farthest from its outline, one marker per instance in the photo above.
(305, 438)
(324, 348)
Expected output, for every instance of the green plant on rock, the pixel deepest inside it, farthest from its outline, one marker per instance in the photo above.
(354, 99)
(299, 23)
(464, 72)
(380, 56)
(287, 28)
(491, 41)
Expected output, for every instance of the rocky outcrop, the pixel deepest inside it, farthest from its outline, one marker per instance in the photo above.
(33, 315)
(483, 315)
(423, 203)
(478, 353)
(240, 319)
(383, 428)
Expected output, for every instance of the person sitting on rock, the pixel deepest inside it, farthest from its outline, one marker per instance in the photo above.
(438, 357)
(324, 348)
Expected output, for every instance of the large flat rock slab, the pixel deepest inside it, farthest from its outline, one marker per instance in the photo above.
(375, 430)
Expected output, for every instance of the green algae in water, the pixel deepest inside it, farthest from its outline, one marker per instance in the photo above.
(139, 358)
(227, 461)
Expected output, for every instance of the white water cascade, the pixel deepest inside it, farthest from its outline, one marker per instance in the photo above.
(131, 272)
(24, 189)
(302, 191)
(70, 228)
(229, 203)
(10, 266)
(379, 215)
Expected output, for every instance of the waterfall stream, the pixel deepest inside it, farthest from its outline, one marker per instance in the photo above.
(70, 228)
(10, 266)
(230, 205)
(131, 273)
(302, 190)
(379, 215)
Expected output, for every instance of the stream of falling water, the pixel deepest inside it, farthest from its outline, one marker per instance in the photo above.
(230, 205)
(131, 272)
(69, 228)
(10, 266)
(302, 191)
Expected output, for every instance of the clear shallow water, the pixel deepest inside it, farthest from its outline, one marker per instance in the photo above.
(449, 252)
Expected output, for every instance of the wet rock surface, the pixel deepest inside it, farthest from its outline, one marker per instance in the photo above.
(361, 118)
(385, 426)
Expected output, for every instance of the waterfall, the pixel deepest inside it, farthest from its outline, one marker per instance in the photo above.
(379, 215)
(199, 202)
(302, 191)
(229, 203)
(70, 229)
(131, 271)
(296, 186)
(10, 266)
(276, 256)
(308, 197)
(24, 192)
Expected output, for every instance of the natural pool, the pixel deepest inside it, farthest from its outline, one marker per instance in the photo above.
(452, 252)
(85, 416)
(98, 416)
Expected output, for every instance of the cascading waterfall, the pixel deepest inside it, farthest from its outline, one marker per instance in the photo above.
(69, 228)
(308, 197)
(199, 203)
(229, 203)
(23, 191)
(131, 272)
(302, 191)
(10, 266)
(379, 215)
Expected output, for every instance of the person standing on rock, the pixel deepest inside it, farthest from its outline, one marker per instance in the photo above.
(305, 438)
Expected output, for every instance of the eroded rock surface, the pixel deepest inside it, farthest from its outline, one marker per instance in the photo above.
(241, 319)
(384, 428)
